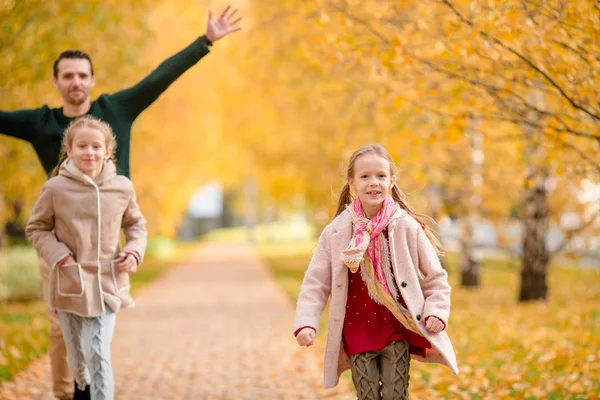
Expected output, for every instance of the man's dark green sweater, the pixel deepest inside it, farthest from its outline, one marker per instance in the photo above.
(44, 127)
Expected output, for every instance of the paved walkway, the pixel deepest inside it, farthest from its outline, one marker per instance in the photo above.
(216, 328)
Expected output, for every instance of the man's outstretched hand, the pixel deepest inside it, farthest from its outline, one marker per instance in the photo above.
(223, 25)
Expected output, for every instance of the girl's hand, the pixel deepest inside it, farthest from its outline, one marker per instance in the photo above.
(66, 261)
(434, 325)
(128, 263)
(306, 337)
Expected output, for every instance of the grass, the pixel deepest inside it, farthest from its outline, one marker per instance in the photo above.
(280, 232)
(23, 336)
(538, 350)
(19, 274)
(24, 324)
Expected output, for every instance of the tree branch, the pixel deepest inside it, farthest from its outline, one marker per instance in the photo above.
(576, 150)
(571, 234)
(524, 59)
(494, 91)
(576, 51)
(360, 21)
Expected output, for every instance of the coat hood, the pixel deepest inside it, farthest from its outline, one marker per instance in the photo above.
(69, 169)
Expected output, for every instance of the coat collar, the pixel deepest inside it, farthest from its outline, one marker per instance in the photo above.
(341, 231)
(70, 170)
(343, 222)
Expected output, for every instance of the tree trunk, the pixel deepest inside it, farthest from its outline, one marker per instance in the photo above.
(3, 238)
(470, 273)
(535, 218)
(469, 263)
(435, 208)
(251, 209)
(535, 252)
(3, 234)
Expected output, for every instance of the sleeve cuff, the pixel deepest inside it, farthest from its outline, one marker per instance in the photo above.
(61, 260)
(439, 319)
(204, 39)
(135, 255)
(299, 329)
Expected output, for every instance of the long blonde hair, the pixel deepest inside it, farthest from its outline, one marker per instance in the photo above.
(346, 197)
(87, 121)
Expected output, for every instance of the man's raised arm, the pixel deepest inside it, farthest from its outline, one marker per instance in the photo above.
(21, 124)
(132, 101)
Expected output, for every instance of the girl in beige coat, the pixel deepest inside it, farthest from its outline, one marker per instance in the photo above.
(390, 297)
(75, 228)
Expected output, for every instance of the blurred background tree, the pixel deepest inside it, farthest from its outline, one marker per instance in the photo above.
(489, 108)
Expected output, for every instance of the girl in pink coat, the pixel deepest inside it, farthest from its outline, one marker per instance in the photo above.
(390, 297)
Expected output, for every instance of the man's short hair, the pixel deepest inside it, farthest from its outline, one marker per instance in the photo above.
(72, 54)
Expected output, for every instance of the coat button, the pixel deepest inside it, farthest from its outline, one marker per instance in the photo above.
(403, 284)
(418, 317)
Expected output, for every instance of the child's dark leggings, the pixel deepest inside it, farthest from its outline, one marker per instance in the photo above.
(382, 374)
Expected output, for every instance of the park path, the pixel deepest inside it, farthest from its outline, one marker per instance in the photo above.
(218, 327)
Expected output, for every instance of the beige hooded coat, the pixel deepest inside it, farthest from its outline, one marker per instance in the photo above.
(81, 216)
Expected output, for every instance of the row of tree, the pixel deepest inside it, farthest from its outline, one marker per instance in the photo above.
(492, 106)
(489, 108)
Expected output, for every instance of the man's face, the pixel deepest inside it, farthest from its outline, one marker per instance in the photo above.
(74, 81)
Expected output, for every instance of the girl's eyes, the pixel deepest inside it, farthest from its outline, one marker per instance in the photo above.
(379, 176)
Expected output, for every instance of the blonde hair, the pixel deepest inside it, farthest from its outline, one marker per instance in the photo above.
(399, 196)
(86, 121)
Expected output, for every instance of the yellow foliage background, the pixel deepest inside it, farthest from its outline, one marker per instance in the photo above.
(286, 101)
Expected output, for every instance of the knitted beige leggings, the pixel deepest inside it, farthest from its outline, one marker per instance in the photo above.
(88, 351)
(382, 374)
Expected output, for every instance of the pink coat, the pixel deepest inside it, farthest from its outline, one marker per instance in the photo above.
(414, 261)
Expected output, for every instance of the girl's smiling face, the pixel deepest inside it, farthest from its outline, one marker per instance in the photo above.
(372, 181)
(88, 150)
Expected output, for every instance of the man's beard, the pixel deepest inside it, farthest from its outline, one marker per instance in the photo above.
(79, 100)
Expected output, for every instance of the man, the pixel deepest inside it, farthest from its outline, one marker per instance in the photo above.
(43, 127)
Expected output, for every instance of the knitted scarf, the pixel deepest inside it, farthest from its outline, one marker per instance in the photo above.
(369, 251)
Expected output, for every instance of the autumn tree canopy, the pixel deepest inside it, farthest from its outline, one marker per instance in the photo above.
(285, 101)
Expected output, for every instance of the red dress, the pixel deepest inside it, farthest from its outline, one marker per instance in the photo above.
(369, 326)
